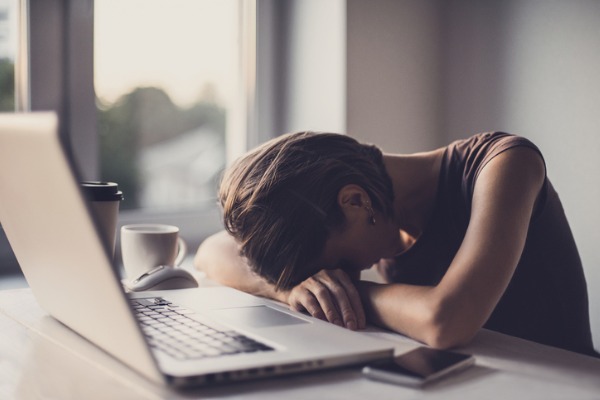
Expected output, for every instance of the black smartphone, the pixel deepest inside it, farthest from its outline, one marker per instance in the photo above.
(418, 366)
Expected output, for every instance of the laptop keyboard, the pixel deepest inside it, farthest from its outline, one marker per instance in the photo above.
(172, 329)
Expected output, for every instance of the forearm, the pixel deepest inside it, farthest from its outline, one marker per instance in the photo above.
(218, 257)
(400, 308)
(415, 311)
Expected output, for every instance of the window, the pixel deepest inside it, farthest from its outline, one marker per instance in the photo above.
(167, 84)
(165, 81)
(167, 102)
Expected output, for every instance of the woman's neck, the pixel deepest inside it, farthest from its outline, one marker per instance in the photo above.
(415, 180)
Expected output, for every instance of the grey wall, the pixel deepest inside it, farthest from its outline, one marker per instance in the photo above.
(423, 72)
(311, 87)
(393, 78)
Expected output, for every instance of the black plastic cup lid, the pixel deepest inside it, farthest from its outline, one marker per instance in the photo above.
(102, 191)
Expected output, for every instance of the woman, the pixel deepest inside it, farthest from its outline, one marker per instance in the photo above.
(467, 236)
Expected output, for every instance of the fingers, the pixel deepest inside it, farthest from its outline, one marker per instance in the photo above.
(330, 295)
(313, 297)
(355, 306)
(348, 299)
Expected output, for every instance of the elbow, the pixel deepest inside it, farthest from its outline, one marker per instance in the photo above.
(200, 262)
(444, 330)
(443, 340)
(204, 259)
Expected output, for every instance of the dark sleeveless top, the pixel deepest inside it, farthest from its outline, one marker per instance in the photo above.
(546, 300)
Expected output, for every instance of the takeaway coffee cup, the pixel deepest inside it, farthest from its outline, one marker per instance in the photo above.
(147, 246)
(104, 199)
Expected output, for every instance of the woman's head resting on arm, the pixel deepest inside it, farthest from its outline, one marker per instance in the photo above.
(285, 199)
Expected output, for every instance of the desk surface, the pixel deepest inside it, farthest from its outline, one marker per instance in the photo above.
(40, 358)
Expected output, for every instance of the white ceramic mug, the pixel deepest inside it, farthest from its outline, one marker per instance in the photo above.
(146, 246)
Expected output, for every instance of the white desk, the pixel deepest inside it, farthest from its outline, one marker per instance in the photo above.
(40, 358)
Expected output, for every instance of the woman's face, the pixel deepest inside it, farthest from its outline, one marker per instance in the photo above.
(359, 245)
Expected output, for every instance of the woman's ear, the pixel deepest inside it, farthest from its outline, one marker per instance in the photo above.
(351, 199)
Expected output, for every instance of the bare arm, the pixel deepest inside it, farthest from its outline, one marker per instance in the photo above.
(218, 256)
(451, 313)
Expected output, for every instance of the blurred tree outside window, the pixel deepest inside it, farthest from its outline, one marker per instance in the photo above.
(7, 85)
(7, 55)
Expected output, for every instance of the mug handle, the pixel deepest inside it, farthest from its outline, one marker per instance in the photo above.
(181, 252)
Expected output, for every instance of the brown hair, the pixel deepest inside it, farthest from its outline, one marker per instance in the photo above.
(280, 200)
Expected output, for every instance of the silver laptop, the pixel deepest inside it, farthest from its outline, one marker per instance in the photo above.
(66, 263)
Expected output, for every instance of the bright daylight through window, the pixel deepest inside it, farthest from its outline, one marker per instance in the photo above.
(165, 81)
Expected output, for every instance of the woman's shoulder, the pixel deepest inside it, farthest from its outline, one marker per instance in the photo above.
(465, 159)
(472, 154)
(495, 141)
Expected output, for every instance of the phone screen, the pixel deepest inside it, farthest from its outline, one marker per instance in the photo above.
(418, 367)
(423, 362)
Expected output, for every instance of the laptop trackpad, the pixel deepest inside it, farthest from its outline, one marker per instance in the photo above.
(257, 316)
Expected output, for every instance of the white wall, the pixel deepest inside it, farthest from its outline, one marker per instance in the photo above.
(553, 96)
(393, 82)
(422, 73)
(313, 90)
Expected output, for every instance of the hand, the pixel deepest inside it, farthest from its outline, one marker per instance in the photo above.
(330, 295)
